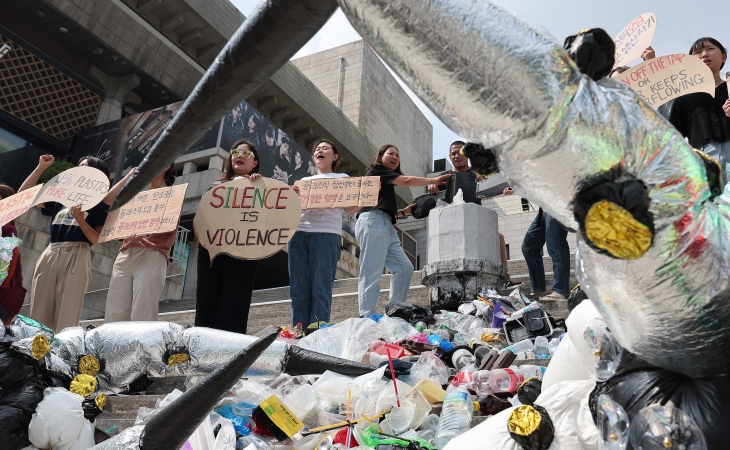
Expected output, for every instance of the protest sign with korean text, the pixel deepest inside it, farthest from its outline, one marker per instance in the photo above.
(634, 39)
(247, 220)
(149, 212)
(17, 204)
(323, 193)
(667, 77)
(82, 185)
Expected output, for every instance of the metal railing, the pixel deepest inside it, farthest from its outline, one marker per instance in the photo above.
(410, 246)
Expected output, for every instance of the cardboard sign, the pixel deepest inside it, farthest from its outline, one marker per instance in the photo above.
(17, 204)
(634, 39)
(247, 220)
(79, 185)
(323, 193)
(149, 212)
(667, 77)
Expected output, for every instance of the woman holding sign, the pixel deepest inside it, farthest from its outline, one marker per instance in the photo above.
(378, 239)
(703, 120)
(138, 276)
(225, 286)
(315, 248)
(12, 292)
(63, 271)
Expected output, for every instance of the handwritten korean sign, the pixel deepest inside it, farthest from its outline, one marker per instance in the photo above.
(149, 212)
(17, 204)
(322, 193)
(79, 185)
(247, 220)
(667, 77)
(634, 39)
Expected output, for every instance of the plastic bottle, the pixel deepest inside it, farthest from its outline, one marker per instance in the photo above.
(553, 345)
(504, 380)
(456, 416)
(522, 346)
(480, 382)
(530, 371)
(462, 358)
(541, 347)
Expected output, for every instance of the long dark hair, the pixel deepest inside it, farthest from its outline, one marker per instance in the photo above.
(228, 173)
(96, 163)
(169, 175)
(378, 160)
(6, 191)
(699, 44)
(336, 162)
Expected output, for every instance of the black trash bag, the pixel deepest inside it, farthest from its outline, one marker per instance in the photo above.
(424, 204)
(637, 384)
(15, 368)
(529, 391)
(592, 51)
(447, 302)
(16, 409)
(577, 295)
(409, 312)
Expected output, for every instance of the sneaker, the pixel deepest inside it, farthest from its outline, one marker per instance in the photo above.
(510, 285)
(552, 296)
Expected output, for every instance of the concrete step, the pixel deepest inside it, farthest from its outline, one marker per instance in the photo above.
(518, 267)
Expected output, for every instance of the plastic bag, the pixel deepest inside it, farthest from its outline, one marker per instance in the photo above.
(349, 339)
(429, 366)
(409, 312)
(84, 441)
(58, 420)
(397, 329)
(16, 409)
(226, 438)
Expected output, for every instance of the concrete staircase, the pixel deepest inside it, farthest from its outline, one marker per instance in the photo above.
(273, 307)
(518, 271)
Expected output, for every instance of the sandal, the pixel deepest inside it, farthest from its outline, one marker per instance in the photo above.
(553, 296)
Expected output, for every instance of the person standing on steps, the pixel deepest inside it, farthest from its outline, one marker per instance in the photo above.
(316, 246)
(63, 271)
(461, 165)
(375, 232)
(138, 276)
(225, 287)
(546, 230)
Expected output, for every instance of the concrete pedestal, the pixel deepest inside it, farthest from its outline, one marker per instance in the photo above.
(463, 252)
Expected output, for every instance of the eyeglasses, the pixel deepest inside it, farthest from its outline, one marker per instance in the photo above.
(245, 154)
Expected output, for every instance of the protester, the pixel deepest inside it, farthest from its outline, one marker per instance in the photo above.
(12, 292)
(315, 248)
(225, 287)
(377, 236)
(702, 119)
(461, 165)
(138, 276)
(63, 271)
(546, 230)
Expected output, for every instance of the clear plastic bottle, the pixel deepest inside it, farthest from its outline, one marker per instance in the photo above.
(530, 371)
(553, 346)
(480, 382)
(541, 347)
(462, 358)
(522, 346)
(504, 380)
(456, 416)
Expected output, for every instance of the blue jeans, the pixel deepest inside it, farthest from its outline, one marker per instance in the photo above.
(380, 247)
(312, 267)
(546, 230)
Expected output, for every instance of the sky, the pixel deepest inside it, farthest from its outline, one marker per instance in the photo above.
(678, 26)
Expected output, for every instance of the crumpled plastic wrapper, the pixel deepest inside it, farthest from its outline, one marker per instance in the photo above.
(66, 349)
(349, 339)
(36, 347)
(128, 350)
(23, 327)
(397, 328)
(210, 348)
(498, 80)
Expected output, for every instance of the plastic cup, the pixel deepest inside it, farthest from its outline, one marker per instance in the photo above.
(301, 400)
(308, 443)
(400, 418)
(431, 423)
(421, 407)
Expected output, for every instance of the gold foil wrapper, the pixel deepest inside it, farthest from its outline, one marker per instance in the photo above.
(524, 420)
(40, 346)
(84, 385)
(100, 401)
(177, 358)
(88, 365)
(613, 229)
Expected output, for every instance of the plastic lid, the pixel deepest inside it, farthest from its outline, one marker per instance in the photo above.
(400, 418)
(476, 406)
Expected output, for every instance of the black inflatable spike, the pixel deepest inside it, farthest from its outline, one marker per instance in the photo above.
(172, 426)
(306, 362)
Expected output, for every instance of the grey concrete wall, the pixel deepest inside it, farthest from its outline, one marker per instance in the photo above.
(33, 229)
(374, 101)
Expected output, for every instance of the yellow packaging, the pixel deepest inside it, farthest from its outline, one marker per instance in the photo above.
(431, 391)
(281, 416)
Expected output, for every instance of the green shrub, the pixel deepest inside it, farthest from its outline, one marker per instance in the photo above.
(56, 168)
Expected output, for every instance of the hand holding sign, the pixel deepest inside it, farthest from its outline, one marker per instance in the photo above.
(633, 40)
(81, 185)
(247, 219)
(667, 77)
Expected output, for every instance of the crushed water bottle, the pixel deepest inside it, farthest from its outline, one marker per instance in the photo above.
(530, 371)
(541, 347)
(456, 416)
(553, 345)
(525, 345)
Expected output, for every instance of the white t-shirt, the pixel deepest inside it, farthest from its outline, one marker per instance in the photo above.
(322, 220)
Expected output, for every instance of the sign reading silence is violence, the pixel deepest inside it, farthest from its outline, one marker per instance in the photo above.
(247, 220)
(81, 185)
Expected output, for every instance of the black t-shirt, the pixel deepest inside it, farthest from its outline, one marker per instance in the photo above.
(700, 118)
(64, 227)
(386, 196)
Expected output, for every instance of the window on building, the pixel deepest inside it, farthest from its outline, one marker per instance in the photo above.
(18, 158)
